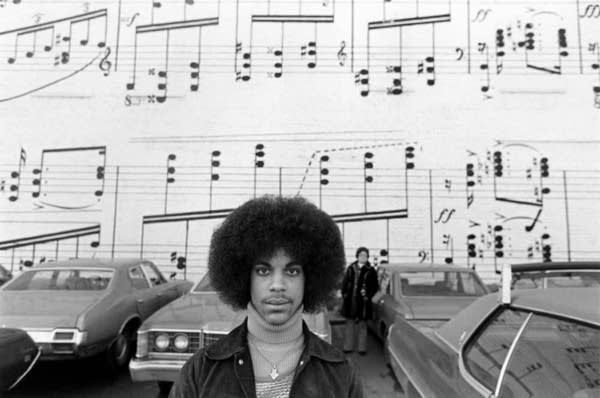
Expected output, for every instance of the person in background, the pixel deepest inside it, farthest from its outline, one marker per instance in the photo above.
(275, 257)
(358, 288)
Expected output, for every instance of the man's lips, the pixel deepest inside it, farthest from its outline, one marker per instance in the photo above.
(277, 301)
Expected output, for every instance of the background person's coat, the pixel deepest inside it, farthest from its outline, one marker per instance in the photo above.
(367, 280)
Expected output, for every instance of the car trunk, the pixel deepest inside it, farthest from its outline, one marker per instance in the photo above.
(438, 308)
(44, 309)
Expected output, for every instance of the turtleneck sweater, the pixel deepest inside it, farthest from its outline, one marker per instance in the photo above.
(274, 346)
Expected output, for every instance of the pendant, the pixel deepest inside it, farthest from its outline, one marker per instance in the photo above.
(274, 373)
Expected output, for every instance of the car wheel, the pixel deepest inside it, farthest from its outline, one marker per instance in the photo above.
(121, 350)
(165, 387)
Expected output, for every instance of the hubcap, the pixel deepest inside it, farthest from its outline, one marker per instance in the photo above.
(121, 347)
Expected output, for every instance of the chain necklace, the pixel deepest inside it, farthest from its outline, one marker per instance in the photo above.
(274, 372)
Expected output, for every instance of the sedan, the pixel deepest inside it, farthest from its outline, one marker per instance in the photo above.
(539, 343)
(427, 296)
(79, 308)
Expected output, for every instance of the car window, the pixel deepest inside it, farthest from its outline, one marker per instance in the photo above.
(138, 279)
(62, 279)
(554, 358)
(440, 283)
(486, 351)
(553, 279)
(155, 277)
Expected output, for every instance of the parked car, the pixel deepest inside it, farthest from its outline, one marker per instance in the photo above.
(170, 336)
(556, 274)
(5, 275)
(19, 353)
(425, 295)
(79, 308)
(539, 343)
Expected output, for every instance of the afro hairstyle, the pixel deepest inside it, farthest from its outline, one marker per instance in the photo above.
(261, 226)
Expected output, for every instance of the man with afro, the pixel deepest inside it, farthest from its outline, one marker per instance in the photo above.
(275, 257)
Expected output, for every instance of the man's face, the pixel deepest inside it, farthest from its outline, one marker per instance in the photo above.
(277, 287)
(363, 257)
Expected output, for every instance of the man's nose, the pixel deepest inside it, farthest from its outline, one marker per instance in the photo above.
(277, 282)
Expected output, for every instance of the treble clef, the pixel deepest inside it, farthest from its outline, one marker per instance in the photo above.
(341, 55)
(105, 64)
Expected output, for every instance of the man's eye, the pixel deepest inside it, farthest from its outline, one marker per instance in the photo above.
(294, 271)
(262, 270)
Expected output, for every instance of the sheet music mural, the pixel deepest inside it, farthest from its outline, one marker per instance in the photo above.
(459, 132)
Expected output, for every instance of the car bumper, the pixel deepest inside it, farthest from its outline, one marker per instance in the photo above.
(155, 369)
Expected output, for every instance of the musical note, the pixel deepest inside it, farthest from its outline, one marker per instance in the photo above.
(484, 66)
(278, 65)
(530, 227)
(169, 179)
(214, 176)
(323, 173)
(259, 163)
(362, 80)
(15, 188)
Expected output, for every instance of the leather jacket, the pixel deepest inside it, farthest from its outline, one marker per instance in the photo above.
(224, 369)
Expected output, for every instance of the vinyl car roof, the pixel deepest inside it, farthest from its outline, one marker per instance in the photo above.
(563, 302)
(415, 267)
(556, 266)
(91, 263)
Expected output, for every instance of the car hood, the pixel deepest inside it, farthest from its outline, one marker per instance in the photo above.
(44, 309)
(195, 311)
(437, 307)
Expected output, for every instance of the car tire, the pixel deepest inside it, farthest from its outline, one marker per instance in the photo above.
(120, 351)
(165, 387)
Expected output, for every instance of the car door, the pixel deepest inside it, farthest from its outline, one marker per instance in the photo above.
(387, 305)
(165, 291)
(146, 298)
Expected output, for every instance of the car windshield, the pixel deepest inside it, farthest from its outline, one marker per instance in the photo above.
(204, 285)
(552, 279)
(440, 283)
(62, 279)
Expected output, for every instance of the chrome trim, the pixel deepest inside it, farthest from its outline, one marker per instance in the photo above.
(509, 353)
(393, 355)
(172, 330)
(39, 352)
(43, 335)
(483, 390)
(554, 314)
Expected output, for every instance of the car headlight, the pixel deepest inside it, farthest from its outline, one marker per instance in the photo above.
(181, 342)
(161, 341)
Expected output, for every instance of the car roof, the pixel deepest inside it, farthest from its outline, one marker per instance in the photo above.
(562, 302)
(416, 267)
(91, 263)
(556, 266)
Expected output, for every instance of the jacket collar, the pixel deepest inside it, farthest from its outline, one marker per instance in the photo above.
(237, 341)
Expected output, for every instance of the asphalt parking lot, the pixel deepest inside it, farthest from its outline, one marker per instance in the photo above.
(86, 378)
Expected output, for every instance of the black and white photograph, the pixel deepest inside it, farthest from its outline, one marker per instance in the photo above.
(299, 198)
